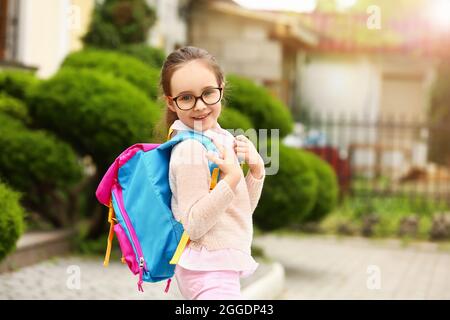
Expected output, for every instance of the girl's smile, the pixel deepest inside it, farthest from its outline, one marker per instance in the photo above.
(201, 116)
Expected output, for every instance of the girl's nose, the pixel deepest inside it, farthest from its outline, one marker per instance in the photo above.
(200, 105)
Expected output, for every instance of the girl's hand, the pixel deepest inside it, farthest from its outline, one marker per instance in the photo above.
(245, 149)
(229, 167)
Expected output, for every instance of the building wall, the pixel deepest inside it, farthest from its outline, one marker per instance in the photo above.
(170, 29)
(241, 46)
(384, 88)
(80, 14)
(49, 30)
(343, 85)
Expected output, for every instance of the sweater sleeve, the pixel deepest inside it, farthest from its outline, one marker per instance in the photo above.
(254, 187)
(199, 208)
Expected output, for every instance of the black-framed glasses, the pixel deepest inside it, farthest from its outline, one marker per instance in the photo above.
(209, 96)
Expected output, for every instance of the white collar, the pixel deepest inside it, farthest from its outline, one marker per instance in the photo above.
(221, 135)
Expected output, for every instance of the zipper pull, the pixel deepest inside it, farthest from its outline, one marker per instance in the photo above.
(141, 271)
(139, 284)
(168, 285)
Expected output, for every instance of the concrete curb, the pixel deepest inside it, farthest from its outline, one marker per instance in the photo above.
(267, 287)
(35, 247)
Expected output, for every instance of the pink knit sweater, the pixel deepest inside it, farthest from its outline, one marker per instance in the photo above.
(219, 222)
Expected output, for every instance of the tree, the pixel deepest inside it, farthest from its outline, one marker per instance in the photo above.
(119, 22)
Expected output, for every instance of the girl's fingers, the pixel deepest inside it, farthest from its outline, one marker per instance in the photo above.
(218, 146)
(213, 158)
(241, 137)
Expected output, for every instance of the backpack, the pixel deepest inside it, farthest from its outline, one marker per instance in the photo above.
(137, 192)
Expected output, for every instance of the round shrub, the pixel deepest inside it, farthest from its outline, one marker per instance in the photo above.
(289, 195)
(17, 84)
(96, 113)
(14, 108)
(115, 23)
(11, 220)
(233, 119)
(327, 189)
(118, 64)
(264, 110)
(152, 57)
(32, 161)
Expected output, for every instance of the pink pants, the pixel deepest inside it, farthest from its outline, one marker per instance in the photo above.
(208, 285)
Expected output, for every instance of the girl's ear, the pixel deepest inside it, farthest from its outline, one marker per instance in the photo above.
(170, 104)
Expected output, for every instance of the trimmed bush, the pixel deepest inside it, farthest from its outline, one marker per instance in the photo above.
(32, 160)
(98, 114)
(152, 57)
(40, 166)
(11, 220)
(118, 64)
(288, 196)
(264, 110)
(327, 192)
(118, 22)
(233, 119)
(17, 84)
(14, 108)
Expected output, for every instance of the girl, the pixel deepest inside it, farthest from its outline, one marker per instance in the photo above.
(218, 221)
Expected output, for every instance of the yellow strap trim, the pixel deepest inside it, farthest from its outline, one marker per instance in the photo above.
(180, 248)
(214, 177)
(110, 235)
(169, 134)
(185, 237)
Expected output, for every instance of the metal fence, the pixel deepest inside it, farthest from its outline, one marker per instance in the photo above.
(382, 157)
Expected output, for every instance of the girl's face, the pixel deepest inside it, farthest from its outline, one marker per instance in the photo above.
(195, 78)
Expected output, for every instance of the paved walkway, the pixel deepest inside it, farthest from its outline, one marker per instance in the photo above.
(321, 267)
(316, 268)
(77, 277)
(58, 279)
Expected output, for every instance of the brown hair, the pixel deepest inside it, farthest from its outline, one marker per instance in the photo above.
(173, 62)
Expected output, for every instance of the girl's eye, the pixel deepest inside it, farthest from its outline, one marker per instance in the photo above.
(207, 93)
(186, 98)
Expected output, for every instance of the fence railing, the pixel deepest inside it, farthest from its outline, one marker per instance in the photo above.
(390, 157)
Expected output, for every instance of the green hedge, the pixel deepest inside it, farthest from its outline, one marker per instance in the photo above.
(96, 113)
(11, 220)
(328, 189)
(32, 160)
(14, 108)
(264, 110)
(17, 84)
(118, 64)
(115, 23)
(233, 119)
(152, 57)
(290, 195)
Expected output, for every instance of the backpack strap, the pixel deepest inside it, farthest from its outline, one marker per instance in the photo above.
(185, 237)
(170, 133)
(111, 219)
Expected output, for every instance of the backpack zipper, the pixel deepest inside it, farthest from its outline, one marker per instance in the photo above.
(117, 191)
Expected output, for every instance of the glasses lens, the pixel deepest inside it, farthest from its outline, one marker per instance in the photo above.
(186, 101)
(211, 96)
